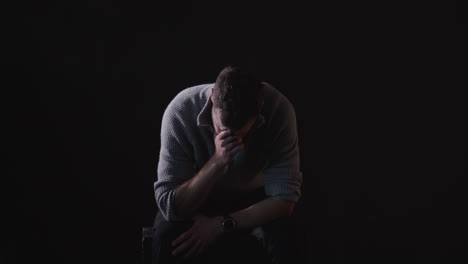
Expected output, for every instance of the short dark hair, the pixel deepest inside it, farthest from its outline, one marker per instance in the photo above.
(237, 93)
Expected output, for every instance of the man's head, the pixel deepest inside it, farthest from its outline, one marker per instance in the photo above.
(237, 101)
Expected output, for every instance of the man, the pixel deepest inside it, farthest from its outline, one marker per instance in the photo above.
(228, 168)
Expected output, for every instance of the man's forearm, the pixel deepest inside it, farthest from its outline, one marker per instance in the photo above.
(262, 213)
(191, 194)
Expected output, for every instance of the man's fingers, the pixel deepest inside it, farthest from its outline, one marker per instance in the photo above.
(229, 140)
(184, 246)
(223, 134)
(193, 250)
(181, 238)
(200, 249)
(237, 149)
(231, 146)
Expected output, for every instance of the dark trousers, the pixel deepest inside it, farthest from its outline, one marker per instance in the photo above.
(271, 243)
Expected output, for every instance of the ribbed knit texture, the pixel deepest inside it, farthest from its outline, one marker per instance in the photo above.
(270, 157)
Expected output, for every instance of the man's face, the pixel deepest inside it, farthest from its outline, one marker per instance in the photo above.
(219, 127)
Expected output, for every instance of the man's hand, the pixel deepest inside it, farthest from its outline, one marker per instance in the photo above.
(204, 232)
(227, 147)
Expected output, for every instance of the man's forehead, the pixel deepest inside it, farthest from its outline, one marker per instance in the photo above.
(220, 125)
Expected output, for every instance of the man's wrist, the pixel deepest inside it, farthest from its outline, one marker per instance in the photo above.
(229, 224)
(217, 163)
(219, 223)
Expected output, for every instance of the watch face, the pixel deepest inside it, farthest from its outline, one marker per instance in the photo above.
(228, 224)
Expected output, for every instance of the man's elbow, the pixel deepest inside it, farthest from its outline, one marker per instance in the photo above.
(171, 215)
(287, 207)
(166, 205)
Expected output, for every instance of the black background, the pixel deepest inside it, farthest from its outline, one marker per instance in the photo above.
(380, 110)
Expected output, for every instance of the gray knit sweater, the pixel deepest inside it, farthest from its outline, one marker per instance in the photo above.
(270, 157)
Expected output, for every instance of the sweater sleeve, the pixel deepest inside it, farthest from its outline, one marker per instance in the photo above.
(283, 178)
(175, 164)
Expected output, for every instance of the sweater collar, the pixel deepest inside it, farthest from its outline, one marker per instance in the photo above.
(204, 117)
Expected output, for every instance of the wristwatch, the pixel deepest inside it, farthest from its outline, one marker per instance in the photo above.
(229, 224)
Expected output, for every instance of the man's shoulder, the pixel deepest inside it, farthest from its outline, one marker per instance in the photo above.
(190, 98)
(193, 93)
(274, 98)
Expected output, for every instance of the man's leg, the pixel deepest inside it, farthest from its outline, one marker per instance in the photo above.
(230, 249)
(164, 232)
